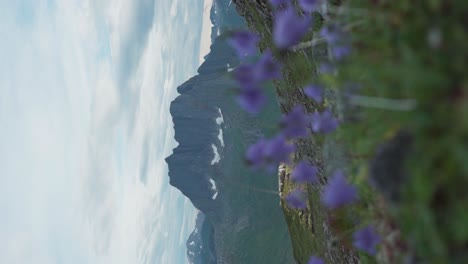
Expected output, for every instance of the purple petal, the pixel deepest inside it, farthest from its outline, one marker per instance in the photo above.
(256, 153)
(323, 122)
(315, 92)
(245, 75)
(366, 239)
(294, 124)
(251, 100)
(338, 192)
(277, 3)
(267, 68)
(339, 52)
(326, 68)
(279, 150)
(309, 6)
(332, 34)
(244, 43)
(296, 199)
(289, 28)
(304, 172)
(315, 260)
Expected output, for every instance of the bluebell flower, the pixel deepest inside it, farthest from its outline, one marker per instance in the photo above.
(338, 192)
(244, 43)
(279, 150)
(337, 41)
(289, 28)
(323, 122)
(309, 6)
(277, 3)
(326, 68)
(315, 260)
(267, 68)
(332, 34)
(315, 92)
(295, 123)
(366, 239)
(251, 99)
(340, 51)
(304, 172)
(256, 153)
(246, 76)
(250, 75)
(296, 199)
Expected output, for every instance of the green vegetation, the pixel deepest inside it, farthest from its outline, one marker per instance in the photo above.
(410, 61)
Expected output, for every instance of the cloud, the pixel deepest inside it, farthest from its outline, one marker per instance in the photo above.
(85, 88)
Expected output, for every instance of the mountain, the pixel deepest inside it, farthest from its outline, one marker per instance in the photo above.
(240, 219)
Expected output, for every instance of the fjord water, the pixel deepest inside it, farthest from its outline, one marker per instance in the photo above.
(240, 220)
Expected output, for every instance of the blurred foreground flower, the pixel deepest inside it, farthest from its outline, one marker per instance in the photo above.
(289, 28)
(256, 153)
(296, 199)
(366, 239)
(251, 99)
(315, 260)
(279, 150)
(309, 6)
(244, 43)
(338, 192)
(270, 152)
(295, 123)
(304, 172)
(323, 122)
(277, 3)
(267, 68)
(246, 76)
(315, 92)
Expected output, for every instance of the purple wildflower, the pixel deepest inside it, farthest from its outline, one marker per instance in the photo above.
(315, 260)
(294, 124)
(250, 75)
(278, 150)
(366, 239)
(340, 51)
(303, 172)
(251, 99)
(338, 191)
(309, 6)
(336, 40)
(326, 68)
(277, 3)
(244, 43)
(245, 75)
(331, 33)
(296, 199)
(266, 68)
(289, 28)
(323, 122)
(314, 91)
(256, 153)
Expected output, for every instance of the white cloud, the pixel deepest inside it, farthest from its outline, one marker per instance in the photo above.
(85, 88)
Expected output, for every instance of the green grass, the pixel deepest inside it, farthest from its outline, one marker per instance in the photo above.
(394, 58)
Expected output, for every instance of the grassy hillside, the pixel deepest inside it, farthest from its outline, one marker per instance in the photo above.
(402, 97)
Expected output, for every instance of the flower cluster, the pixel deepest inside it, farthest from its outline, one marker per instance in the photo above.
(269, 153)
(337, 41)
(289, 28)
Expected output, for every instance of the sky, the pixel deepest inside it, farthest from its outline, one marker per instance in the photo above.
(85, 90)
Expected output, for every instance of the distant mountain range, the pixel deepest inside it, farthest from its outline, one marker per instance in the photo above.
(240, 220)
